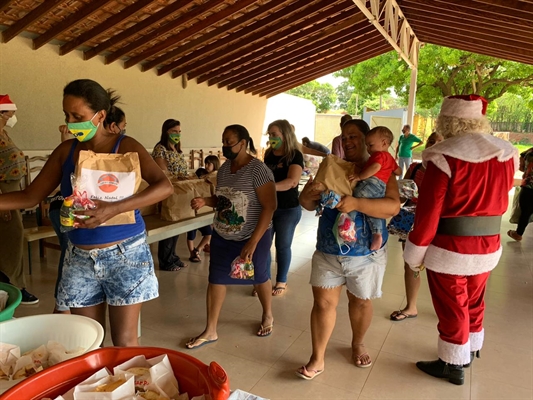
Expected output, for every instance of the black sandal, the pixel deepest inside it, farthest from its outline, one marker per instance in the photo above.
(176, 267)
(195, 256)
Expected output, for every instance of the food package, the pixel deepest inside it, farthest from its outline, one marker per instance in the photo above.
(205, 188)
(104, 386)
(9, 354)
(328, 199)
(333, 175)
(58, 353)
(177, 206)
(4, 297)
(39, 356)
(238, 394)
(151, 209)
(408, 189)
(242, 269)
(155, 374)
(344, 231)
(212, 178)
(110, 177)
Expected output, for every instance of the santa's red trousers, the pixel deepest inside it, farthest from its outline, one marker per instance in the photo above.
(459, 302)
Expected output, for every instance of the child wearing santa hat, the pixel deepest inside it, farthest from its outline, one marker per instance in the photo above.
(12, 170)
(456, 234)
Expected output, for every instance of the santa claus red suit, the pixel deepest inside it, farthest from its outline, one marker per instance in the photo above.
(456, 230)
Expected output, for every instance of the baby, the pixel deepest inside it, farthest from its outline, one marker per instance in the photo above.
(372, 180)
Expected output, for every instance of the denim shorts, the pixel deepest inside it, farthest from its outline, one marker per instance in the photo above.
(362, 275)
(120, 275)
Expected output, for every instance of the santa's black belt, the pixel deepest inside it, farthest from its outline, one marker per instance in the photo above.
(470, 226)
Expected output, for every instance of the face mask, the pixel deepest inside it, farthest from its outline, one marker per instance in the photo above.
(275, 142)
(83, 131)
(174, 137)
(122, 132)
(11, 121)
(228, 153)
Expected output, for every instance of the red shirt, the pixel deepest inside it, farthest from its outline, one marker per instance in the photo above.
(387, 163)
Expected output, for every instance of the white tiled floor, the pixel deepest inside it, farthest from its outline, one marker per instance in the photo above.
(265, 366)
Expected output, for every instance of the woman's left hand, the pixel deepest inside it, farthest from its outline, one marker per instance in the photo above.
(347, 204)
(248, 250)
(103, 211)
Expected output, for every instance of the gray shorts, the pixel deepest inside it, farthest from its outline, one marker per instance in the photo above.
(362, 276)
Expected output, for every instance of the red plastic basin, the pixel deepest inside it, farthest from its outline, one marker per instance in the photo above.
(193, 376)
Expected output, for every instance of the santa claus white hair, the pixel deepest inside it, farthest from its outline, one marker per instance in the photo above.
(461, 115)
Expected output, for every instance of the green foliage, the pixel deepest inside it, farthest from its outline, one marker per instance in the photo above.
(441, 72)
(322, 95)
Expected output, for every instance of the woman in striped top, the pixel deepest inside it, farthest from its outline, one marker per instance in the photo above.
(245, 201)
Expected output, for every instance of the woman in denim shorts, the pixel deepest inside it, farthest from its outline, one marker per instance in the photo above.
(104, 265)
(359, 268)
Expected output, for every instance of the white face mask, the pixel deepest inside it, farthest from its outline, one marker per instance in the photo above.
(11, 121)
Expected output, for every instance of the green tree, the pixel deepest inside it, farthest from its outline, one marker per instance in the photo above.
(441, 72)
(322, 95)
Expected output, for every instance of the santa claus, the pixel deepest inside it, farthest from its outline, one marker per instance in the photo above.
(456, 234)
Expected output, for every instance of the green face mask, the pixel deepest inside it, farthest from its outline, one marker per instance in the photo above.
(174, 137)
(83, 131)
(275, 142)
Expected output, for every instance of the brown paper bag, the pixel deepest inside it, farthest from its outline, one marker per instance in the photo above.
(212, 178)
(151, 209)
(204, 188)
(110, 177)
(178, 205)
(333, 173)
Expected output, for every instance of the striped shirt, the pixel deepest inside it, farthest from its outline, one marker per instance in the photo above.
(238, 206)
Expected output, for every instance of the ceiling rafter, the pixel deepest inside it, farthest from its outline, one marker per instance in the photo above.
(320, 69)
(301, 50)
(495, 40)
(421, 16)
(137, 28)
(162, 30)
(4, 4)
(298, 11)
(492, 8)
(339, 48)
(28, 19)
(68, 22)
(187, 33)
(279, 40)
(211, 35)
(182, 66)
(109, 23)
(510, 5)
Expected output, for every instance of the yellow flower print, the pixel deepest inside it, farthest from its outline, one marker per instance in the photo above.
(15, 172)
(2, 177)
(13, 156)
(21, 154)
(1, 161)
(3, 143)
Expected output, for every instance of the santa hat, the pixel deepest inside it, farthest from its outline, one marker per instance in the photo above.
(470, 106)
(6, 104)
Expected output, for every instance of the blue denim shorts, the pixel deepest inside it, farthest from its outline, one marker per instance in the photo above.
(120, 275)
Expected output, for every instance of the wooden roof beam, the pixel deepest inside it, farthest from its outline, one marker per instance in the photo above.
(512, 5)
(68, 22)
(345, 50)
(109, 23)
(296, 11)
(505, 43)
(460, 12)
(492, 8)
(301, 19)
(34, 15)
(169, 26)
(416, 16)
(243, 19)
(237, 60)
(308, 74)
(137, 28)
(299, 52)
(187, 33)
(4, 4)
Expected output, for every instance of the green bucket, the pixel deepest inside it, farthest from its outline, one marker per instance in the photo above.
(15, 297)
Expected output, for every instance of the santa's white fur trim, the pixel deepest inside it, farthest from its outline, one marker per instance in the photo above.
(474, 148)
(8, 107)
(476, 340)
(456, 354)
(413, 254)
(448, 262)
(460, 108)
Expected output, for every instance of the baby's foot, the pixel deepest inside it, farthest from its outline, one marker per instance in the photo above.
(377, 240)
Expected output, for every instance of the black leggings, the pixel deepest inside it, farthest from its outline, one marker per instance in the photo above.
(526, 209)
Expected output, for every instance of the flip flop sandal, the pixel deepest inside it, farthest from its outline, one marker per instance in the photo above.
(276, 288)
(359, 358)
(304, 374)
(195, 256)
(265, 328)
(254, 293)
(203, 342)
(396, 316)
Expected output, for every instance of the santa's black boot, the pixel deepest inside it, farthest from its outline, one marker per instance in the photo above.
(440, 369)
(472, 355)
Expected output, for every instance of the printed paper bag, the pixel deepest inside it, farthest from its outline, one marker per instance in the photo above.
(333, 173)
(178, 205)
(110, 177)
(151, 209)
(108, 387)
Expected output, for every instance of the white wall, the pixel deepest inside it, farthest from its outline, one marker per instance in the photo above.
(34, 79)
(299, 112)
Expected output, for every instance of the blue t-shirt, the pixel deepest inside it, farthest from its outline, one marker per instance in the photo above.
(327, 243)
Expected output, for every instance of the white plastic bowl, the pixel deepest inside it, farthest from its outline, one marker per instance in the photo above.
(71, 331)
